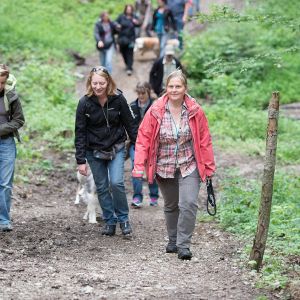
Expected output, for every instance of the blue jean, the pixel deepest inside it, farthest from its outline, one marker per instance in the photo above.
(179, 26)
(7, 166)
(163, 38)
(106, 58)
(109, 180)
(138, 183)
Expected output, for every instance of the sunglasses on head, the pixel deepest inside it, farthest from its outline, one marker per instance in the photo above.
(102, 69)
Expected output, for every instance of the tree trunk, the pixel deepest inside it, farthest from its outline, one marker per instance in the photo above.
(260, 240)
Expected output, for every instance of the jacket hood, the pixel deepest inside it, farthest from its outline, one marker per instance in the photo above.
(10, 83)
(10, 93)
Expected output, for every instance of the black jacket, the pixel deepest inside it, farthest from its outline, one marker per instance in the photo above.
(169, 21)
(136, 110)
(127, 30)
(99, 34)
(96, 131)
(15, 115)
(157, 74)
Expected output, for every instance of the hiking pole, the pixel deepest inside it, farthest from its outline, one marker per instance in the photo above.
(211, 199)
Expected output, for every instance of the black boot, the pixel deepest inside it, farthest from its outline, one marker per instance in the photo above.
(184, 253)
(109, 230)
(171, 248)
(126, 228)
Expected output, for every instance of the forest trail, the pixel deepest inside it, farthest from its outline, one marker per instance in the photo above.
(53, 254)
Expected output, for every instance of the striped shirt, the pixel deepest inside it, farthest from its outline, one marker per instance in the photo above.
(175, 146)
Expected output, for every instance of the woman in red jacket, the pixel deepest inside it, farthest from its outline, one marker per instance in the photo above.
(174, 147)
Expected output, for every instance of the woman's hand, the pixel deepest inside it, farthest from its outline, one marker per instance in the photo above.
(82, 169)
(100, 44)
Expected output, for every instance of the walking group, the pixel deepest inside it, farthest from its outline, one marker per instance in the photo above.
(165, 22)
(170, 144)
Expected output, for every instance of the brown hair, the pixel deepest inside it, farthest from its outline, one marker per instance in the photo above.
(143, 87)
(101, 71)
(177, 74)
(4, 71)
(129, 5)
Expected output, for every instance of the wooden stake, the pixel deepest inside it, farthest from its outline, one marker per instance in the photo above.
(260, 240)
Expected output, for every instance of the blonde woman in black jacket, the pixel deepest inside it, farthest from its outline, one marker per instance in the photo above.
(102, 119)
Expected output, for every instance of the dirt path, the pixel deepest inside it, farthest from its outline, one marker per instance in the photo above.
(53, 254)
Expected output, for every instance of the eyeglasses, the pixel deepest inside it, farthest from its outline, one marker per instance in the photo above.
(102, 69)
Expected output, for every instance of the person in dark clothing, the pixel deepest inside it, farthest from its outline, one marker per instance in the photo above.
(11, 119)
(104, 31)
(161, 69)
(139, 108)
(102, 117)
(126, 24)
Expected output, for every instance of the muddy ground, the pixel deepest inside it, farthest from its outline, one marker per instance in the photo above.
(52, 253)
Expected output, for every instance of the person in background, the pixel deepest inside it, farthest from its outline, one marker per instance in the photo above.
(174, 147)
(104, 31)
(180, 11)
(161, 69)
(163, 22)
(102, 117)
(126, 24)
(143, 10)
(11, 119)
(139, 108)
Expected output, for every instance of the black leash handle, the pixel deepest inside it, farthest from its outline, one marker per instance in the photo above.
(211, 205)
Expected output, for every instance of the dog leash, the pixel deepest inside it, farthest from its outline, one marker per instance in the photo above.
(211, 199)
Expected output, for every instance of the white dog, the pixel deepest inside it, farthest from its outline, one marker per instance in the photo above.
(86, 192)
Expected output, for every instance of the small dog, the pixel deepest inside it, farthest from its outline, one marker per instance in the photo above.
(86, 192)
(145, 44)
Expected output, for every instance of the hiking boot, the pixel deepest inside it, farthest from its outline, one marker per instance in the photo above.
(136, 202)
(153, 202)
(109, 230)
(126, 228)
(184, 253)
(171, 248)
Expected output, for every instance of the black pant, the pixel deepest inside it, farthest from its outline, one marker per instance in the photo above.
(127, 54)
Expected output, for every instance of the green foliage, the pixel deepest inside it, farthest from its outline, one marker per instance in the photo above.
(236, 64)
(51, 26)
(38, 36)
(238, 213)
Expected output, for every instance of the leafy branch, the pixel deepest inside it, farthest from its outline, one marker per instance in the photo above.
(228, 14)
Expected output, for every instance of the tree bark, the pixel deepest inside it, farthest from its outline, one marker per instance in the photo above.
(260, 240)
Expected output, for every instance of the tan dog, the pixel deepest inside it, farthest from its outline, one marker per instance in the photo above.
(145, 44)
(86, 192)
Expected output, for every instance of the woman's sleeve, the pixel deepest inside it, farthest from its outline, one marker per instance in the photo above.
(206, 146)
(128, 120)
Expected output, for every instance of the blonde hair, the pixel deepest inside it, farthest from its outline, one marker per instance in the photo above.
(143, 87)
(4, 71)
(177, 74)
(101, 71)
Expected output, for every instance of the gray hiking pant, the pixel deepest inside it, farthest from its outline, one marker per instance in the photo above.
(180, 206)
